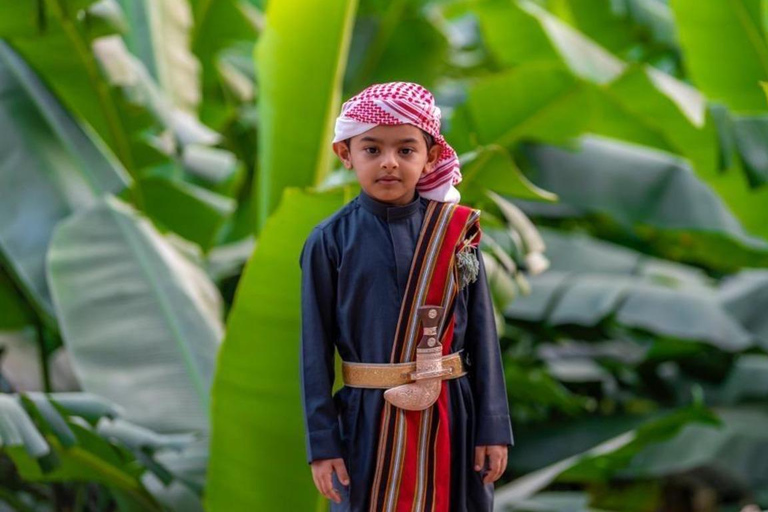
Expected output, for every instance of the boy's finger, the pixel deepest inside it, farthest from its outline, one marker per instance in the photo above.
(494, 466)
(488, 478)
(327, 487)
(491, 476)
(320, 484)
(327, 484)
(479, 457)
(502, 463)
(317, 483)
(341, 472)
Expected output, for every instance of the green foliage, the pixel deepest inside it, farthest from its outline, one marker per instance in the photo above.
(172, 300)
(77, 437)
(51, 166)
(710, 35)
(295, 120)
(633, 129)
(257, 426)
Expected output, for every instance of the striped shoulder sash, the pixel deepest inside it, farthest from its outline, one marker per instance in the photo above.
(413, 456)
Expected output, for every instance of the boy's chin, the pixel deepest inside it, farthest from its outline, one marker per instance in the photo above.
(384, 195)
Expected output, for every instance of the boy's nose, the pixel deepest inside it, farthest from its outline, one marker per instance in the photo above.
(389, 161)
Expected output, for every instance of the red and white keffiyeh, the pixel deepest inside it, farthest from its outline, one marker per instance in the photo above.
(394, 103)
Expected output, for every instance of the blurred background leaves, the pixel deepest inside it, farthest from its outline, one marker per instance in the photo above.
(162, 162)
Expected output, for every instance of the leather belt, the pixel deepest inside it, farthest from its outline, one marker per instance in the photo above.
(388, 375)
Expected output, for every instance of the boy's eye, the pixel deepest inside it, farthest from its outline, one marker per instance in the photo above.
(371, 150)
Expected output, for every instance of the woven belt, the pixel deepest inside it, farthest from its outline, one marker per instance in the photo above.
(371, 375)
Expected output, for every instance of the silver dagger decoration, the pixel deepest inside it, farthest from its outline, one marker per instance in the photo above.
(424, 391)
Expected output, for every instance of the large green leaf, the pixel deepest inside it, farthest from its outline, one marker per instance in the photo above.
(672, 109)
(50, 166)
(642, 29)
(730, 444)
(16, 312)
(395, 41)
(223, 36)
(95, 76)
(63, 57)
(540, 100)
(637, 103)
(218, 25)
(492, 166)
(591, 281)
(596, 19)
(159, 35)
(745, 297)
(543, 444)
(546, 39)
(653, 194)
(19, 18)
(191, 211)
(683, 314)
(141, 323)
(608, 457)
(544, 102)
(295, 126)
(257, 427)
(725, 50)
(750, 134)
(746, 382)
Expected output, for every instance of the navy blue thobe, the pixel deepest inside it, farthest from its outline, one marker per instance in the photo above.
(355, 267)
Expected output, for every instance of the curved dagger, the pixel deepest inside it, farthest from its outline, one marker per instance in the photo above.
(424, 391)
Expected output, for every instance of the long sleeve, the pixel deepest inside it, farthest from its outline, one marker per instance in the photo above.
(318, 331)
(486, 370)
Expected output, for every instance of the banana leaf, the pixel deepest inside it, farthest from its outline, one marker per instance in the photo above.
(189, 210)
(258, 431)
(608, 457)
(159, 35)
(62, 55)
(637, 103)
(98, 80)
(493, 166)
(744, 296)
(725, 50)
(47, 443)
(592, 282)
(295, 125)
(16, 312)
(142, 324)
(396, 41)
(218, 25)
(652, 194)
(51, 166)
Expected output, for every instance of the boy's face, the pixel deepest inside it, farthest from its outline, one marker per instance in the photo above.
(389, 160)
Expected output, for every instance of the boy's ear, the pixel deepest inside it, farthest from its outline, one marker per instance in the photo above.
(342, 151)
(432, 155)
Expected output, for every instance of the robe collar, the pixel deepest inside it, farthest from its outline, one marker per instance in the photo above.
(388, 211)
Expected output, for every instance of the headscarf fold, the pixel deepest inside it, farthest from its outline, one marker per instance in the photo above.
(395, 103)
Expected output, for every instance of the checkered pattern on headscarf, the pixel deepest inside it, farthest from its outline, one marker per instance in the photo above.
(395, 103)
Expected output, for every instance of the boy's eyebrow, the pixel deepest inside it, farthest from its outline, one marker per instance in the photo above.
(373, 139)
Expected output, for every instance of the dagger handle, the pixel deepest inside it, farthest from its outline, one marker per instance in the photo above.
(430, 317)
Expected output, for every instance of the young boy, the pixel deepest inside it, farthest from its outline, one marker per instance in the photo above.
(394, 281)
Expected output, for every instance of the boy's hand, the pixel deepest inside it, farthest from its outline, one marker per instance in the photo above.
(497, 455)
(322, 472)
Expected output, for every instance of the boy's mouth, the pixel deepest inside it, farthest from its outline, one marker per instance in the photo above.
(388, 179)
